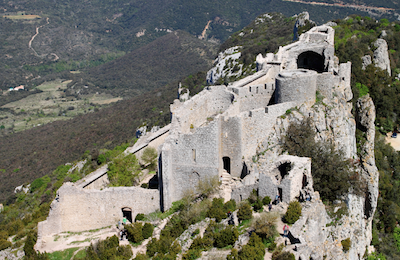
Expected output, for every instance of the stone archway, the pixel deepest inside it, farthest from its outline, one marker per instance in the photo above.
(312, 61)
(127, 213)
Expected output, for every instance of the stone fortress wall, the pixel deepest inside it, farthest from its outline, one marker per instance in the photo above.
(232, 121)
(76, 209)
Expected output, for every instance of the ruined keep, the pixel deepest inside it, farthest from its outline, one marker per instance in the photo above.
(221, 128)
(235, 131)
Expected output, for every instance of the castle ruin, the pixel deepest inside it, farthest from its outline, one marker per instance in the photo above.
(217, 132)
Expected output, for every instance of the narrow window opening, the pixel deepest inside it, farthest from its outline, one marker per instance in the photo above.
(194, 154)
(227, 164)
(305, 182)
(280, 193)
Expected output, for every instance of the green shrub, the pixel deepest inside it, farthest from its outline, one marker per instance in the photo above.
(191, 254)
(108, 249)
(3, 234)
(141, 257)
(265, 225)
(202, 243)
(37, 184)
(234, 255)
(293, 212)
(124, 252)
(163, 245)
(363, 90)
(4, 244)
(266, 200)
(29, 244)
(272, 246)
(139, 217)
(217, 210)
(152, 247)
(147, 230)
(123, 171)
(244, 212)
(230, 206)
(346, 244)
(226, 237)
(253, 250)
(253, 196)
(396, 235)
(257, 205)
(284, 256)
(20, 234)
(134, 232)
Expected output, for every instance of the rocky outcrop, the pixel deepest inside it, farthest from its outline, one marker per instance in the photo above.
(381, 56)
(365, 121)
(321, 234)
(223, 65)
(366, 60)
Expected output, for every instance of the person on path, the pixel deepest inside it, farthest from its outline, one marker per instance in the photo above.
(270, 206)
(277, 199)
(285, 230)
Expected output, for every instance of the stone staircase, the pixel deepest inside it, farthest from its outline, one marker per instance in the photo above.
(227, 183)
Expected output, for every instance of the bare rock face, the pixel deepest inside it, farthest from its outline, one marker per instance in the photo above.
(224, 63)
(365, 120)
(366, 60)
(381, 56)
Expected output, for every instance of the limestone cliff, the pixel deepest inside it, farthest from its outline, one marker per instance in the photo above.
(321, 234)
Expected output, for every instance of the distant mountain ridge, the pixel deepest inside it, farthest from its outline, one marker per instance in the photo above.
(78, 35)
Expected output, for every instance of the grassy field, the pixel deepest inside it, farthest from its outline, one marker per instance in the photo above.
(22, 16)
(50, 105)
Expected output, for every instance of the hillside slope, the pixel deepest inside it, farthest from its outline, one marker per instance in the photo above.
(73, 35)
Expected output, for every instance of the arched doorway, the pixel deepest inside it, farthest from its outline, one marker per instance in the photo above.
(311, 60)
(227, 164)
(127, 213)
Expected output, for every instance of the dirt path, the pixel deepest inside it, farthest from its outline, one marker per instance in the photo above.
(60, 242)
(36, 34)
(203, 34)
